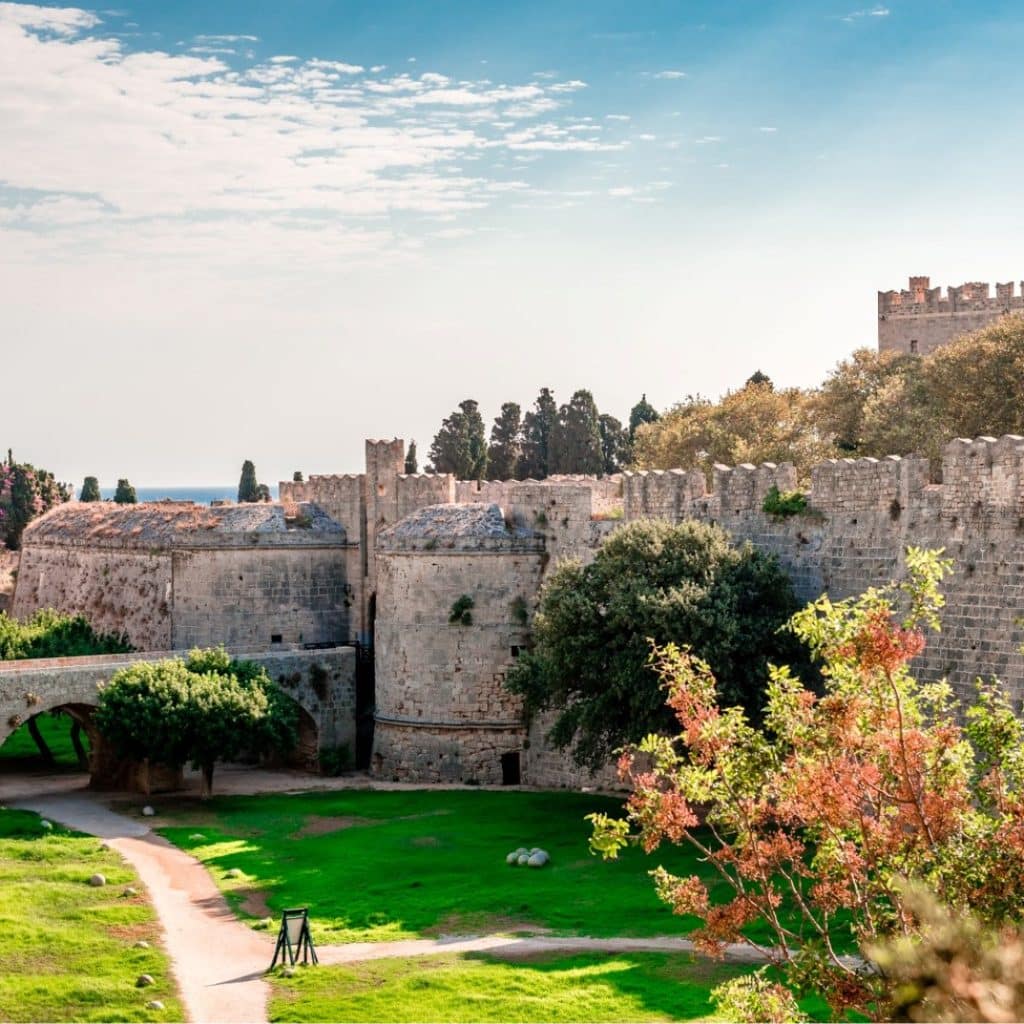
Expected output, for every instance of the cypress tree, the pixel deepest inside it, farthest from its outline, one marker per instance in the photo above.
(125, 493)
(575, 445)
(506, 449)
(537, 427)
(642, 412)
(460, 446)
(411, 464)
(615, 448)
(90, 489)
(248, 486)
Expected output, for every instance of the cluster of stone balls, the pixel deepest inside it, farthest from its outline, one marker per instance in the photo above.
(535, 858)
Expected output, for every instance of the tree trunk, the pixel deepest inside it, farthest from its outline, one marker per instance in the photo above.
(76, 742)
(33, 730)
(206, 790)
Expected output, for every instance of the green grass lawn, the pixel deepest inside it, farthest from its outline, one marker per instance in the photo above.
(55, 729)
(374, 866)
(67, 950)
(481, 987)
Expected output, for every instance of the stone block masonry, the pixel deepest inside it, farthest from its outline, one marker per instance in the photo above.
(918, 320)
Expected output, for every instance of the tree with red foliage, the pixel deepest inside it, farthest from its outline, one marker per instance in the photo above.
(818, 819)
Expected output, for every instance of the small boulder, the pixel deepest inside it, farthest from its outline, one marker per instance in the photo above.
(144, 980)
(98, 880)
(522, 859)
(234, 873)
(141, 944)
(46, 826)
(154, 1004)
(196, 837)
(538, 859)
(130, 890)
(148, 811)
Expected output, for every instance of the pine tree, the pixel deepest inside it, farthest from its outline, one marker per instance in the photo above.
(297, 477)
(125, 493)
(537, 426)
(90, 489)
(248, 486)
(759, 378)
(575, 445)
(506, 449)
(642, 412)
(615, 448)
(411, 463)
(460, 446)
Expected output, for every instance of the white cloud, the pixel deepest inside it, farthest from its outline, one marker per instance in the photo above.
(878, 11)
(617, 117)
(768, 129)
(670, 74)
(145, 153)
(66, 21)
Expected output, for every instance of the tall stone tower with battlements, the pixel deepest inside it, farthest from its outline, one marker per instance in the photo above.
(918, 320)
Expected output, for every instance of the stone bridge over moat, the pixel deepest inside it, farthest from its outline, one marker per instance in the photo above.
(321, 682)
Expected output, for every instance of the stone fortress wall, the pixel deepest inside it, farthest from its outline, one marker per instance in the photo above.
(173, 575)
(862, 514)
(420, 542)
(918, 320)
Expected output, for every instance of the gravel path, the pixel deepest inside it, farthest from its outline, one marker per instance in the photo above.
(217, 961)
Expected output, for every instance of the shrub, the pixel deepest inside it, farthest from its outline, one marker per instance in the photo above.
(784, 504)
(813, 819)
(651, 580)
(48, 634)
(460, 614)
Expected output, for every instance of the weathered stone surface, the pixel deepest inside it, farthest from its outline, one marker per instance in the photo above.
(918, 320)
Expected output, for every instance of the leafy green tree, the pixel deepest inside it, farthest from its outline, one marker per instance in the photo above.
(460, 446)
(48, 634)
(25, 492)
(90, 489)
(651, 580)
(575, 445)
(506, 449)
(615, 447)
(297, 476)
(248, 485)
(411, 463)
(641, 413)
(538, 424)
(125, 493)
(263, 493)
(202, 710)
(758, 378)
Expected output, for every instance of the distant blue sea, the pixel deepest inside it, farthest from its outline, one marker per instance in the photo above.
(200, 495)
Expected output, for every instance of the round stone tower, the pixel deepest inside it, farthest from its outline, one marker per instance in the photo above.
(454, 586)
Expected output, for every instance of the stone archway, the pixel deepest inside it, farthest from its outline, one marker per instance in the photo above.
(46, 742)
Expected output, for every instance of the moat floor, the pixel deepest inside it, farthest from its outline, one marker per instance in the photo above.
(219, 961)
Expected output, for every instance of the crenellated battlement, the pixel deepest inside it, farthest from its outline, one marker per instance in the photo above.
(743, 488)
(920, 298)
(983, 477)
(889, 485)
(918, 320)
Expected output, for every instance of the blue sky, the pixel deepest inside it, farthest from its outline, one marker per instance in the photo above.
(267, 231)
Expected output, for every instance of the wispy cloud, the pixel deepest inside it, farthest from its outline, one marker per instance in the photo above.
(878, 11)
(668, 74)
(209, 151)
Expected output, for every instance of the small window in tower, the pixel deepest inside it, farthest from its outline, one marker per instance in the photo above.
(275, 638)
(913, 346)
(514, 650)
